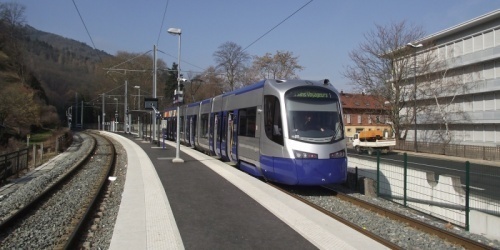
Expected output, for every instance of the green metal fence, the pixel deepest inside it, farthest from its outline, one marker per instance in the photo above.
(449, 196)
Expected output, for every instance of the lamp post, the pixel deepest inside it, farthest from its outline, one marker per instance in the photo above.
(177, 32)
(415, 47)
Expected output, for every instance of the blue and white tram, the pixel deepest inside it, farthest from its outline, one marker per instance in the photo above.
(285, 131)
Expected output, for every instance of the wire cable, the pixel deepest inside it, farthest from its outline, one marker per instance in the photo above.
(162, 21)
(88, 33)
(181, 60)
(277, 25)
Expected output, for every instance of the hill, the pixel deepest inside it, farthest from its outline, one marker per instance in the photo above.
(40, 73)
(63, 66)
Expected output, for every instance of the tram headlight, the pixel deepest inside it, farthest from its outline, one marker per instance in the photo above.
(338, 154)
(304, 155)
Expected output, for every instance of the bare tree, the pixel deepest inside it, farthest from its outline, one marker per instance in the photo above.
(387, 68)
(212, 83)
(12, 13)
(231, 58)
(12, 19)
(250, 76)
(264, 66)
(192, 91)
(382, 66)
(283, 65)
(18, 110)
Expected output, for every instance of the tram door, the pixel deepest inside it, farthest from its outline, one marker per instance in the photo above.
(232, 135)
(192, 123)
(224, 136)
(217, 136)
(211, 129)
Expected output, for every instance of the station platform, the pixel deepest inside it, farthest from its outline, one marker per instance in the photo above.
(204, 203)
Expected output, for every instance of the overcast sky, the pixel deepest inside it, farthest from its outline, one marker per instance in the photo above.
(320, 32)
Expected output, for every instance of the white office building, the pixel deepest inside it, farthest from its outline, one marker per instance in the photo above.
(471, 51)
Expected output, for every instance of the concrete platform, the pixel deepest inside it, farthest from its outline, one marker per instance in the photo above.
(206, 204)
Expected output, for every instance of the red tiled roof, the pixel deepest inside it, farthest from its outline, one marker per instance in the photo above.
(360, 101)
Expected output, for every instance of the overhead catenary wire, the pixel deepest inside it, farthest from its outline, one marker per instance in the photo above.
(181, 60)
(161, 28)
(256, 40)
(269, 31)
(88, 33)
(162, 22)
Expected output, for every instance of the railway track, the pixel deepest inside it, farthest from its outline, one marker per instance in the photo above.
(54, 217)
(441, 233)
(445, 235)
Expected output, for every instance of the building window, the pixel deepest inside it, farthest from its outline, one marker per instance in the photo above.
(348, 118)
(359, 119)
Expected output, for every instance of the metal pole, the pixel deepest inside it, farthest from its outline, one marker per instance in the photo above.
(139, 98)
(125, 113)
(138, 116)
(103, 113)
(76, 110)
(115, 127)
(405, 178)
(467, 195)
(177, 158)
(415, 95)
(378, 173)
(81, 115)
(154, 93)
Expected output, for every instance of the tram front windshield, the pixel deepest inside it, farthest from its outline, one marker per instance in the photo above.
(313, 115)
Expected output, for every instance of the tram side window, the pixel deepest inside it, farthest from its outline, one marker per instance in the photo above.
(247, 121)
(204, 126)
(272, 113)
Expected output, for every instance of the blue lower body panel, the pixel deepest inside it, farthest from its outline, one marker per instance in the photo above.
(250, 169)
(305, 172)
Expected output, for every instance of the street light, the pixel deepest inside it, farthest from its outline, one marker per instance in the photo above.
(415, 47)
(177, 32)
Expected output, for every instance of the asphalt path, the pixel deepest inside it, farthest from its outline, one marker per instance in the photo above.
(484, 175)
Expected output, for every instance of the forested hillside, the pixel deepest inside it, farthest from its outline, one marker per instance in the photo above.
(39, 75)
(63, 66)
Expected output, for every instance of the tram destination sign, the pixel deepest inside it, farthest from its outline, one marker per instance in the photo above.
(310, 93)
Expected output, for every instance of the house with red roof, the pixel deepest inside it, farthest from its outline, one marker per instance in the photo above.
(364, 113)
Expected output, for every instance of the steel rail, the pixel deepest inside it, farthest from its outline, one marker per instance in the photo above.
(22, 211)
(422, 226)
(78, 226)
